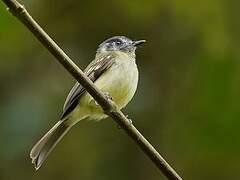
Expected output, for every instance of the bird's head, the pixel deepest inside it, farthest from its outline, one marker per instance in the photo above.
(119, 43)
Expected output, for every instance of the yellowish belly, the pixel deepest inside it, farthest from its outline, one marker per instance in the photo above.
(120, 81)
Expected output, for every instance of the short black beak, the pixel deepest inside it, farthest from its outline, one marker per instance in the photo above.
(136, 43)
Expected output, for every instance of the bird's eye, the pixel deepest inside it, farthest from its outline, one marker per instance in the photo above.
(118, 42)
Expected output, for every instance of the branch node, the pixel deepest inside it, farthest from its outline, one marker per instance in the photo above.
(21, 9)
(15, 8)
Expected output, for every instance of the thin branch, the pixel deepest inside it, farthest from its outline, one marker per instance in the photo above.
(109, 107)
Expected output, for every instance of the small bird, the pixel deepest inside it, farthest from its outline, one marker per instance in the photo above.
(114, 72)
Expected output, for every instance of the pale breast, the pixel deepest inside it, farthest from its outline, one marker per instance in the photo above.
(120, 81)
(123, 81)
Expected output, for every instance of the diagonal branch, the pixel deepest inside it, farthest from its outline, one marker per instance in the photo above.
(109, 107)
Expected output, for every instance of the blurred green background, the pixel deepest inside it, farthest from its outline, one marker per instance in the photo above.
(187, 102)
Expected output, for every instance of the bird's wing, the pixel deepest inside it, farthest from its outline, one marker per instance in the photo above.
(93, 71)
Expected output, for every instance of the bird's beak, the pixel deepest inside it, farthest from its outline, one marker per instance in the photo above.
(136, 43)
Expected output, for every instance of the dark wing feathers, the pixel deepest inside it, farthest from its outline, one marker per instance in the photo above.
(93, 71)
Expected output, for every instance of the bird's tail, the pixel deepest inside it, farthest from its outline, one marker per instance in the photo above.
(47, 143)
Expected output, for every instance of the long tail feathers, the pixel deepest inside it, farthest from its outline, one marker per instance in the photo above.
(45, 145)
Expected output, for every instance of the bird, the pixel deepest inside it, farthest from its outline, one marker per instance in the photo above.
(114, 71)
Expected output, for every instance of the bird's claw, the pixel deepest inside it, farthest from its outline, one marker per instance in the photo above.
(108, 96)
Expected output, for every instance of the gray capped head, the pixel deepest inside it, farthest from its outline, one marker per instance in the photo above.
(119, 43)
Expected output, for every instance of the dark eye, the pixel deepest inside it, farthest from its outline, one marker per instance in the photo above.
(118, 42)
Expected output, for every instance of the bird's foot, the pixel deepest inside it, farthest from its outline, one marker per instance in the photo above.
(108, 96)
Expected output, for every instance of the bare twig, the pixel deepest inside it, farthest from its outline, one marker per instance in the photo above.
(109, 108)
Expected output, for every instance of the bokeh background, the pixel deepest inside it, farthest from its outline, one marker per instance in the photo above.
(187, 103)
